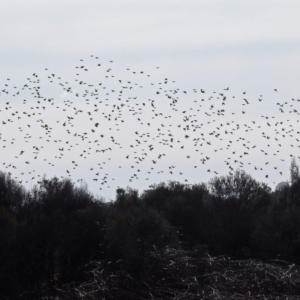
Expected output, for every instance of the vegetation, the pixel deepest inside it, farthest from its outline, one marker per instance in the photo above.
(58, 240)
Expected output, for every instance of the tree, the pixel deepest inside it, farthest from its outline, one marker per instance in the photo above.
(62, 229)
(236, 200)
(133, 229)
(240, 188)
(11, 193)
(294, 170)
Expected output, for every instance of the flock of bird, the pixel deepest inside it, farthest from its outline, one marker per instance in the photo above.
(108, 127)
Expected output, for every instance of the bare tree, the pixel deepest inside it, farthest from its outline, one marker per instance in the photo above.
(294, 170)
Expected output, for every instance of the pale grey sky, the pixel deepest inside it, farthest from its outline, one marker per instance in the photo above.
(250, 46)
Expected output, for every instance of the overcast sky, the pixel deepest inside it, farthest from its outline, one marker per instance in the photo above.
(251, 46)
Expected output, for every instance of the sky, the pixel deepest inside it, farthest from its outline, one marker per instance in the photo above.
(250, 47)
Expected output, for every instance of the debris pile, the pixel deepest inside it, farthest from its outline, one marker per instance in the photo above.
(177, 274)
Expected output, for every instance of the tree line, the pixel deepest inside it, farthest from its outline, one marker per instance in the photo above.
(50, 233)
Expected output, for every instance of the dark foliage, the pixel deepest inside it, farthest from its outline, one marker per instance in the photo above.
(51, 234)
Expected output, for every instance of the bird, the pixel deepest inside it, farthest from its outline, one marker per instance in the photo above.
(164, 125)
